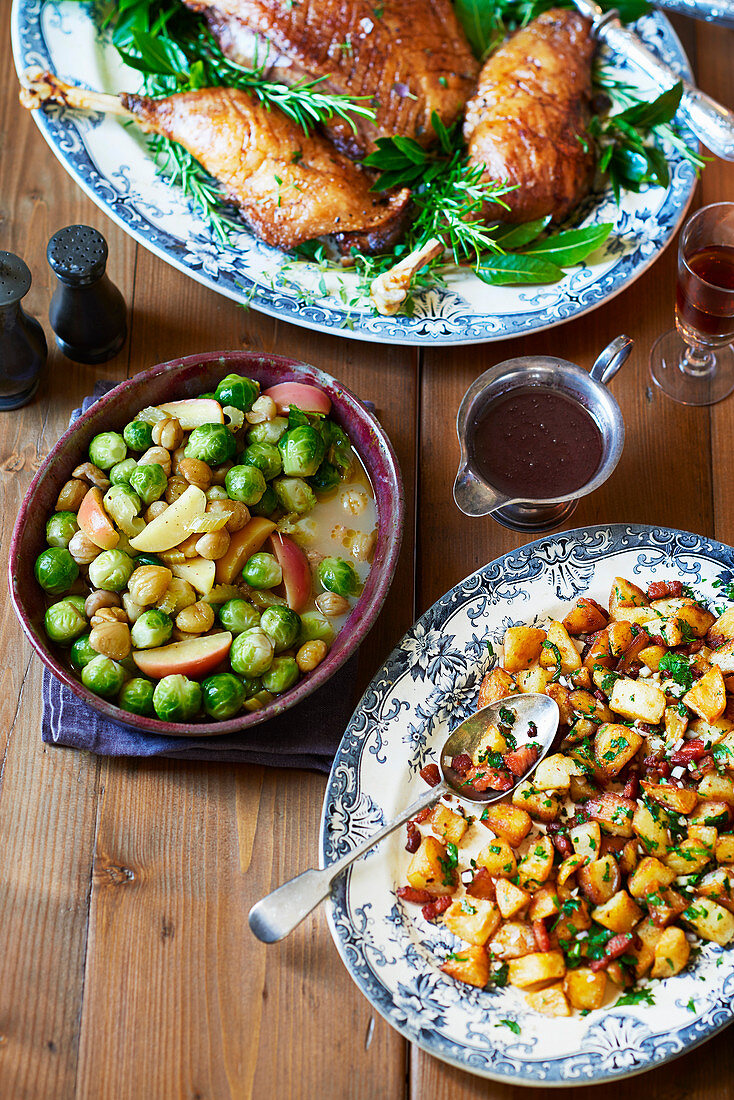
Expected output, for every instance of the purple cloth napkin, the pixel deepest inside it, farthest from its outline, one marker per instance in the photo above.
(306, 736)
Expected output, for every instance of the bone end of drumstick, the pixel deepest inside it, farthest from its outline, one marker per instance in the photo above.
(389, 290)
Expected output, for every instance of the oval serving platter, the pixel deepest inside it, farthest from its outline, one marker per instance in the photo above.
(427, 686)
(112, 164)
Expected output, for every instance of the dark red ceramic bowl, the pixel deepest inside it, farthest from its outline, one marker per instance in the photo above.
(187, 378)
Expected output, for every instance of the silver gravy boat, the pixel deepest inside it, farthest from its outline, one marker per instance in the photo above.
(475, 496)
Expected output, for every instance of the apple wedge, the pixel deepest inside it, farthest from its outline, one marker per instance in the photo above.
(95, 523)
(296, 571)
(194, 411)
(242, 546)
(172, 526)
(198, 572)
(193, 657)
(307, 398)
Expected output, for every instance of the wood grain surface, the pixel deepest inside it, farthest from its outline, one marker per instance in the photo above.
(127, 969)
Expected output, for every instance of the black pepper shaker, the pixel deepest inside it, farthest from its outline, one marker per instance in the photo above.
(87, 311)
(23, 347)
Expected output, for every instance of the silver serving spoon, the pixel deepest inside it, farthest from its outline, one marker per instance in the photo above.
(277, 914)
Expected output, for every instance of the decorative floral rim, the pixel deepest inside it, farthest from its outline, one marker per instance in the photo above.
(427, 685)
(465, 311)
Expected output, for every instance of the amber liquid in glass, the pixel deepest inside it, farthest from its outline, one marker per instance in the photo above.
(705, 294)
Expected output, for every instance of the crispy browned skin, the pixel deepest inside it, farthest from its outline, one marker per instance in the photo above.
(410, 55)
(528, 120)
(290, 187)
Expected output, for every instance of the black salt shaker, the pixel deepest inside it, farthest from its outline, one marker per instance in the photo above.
(23, 347)
(87, 311)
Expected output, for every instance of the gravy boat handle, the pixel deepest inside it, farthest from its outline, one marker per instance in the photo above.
(611, 359)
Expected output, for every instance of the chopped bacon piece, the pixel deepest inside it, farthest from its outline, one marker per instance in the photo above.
(616, 946)
(430, 774)
(542, 939)
(418, 897)
(482, 885)
(691, 647)
(521, 760)
(413, 842)
(611, 844)
(660, 590)
(422, 815)
(461, 763)
(436, 907)
(657, 639)
(631, 787)
(654, 767)
(686, 754)
(483, 779)
(562, 844)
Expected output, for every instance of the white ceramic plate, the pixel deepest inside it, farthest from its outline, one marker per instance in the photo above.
(427, 686)
(111, 163)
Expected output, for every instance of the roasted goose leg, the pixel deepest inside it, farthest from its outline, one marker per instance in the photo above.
(527, 121)
(290, 187)
(410, 56)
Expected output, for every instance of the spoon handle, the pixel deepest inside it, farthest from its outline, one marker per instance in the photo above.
(276, 915)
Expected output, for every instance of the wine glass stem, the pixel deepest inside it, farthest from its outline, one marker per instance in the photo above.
(697, 362)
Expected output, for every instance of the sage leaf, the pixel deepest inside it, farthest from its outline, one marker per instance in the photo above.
(571, 246)
(517, 236)
(515, 268)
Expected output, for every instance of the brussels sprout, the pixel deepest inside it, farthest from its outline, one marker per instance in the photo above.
(123, 505)
(138, 435)
(267, 503)
(211, 443)
(338, 448)
(269, 431)
(64, 622)
(111, 570)
(281, 625)
(251, 685)
(325, 479)
(103, 676)
(294, 494)
(151, 629)
(78, 602)
(301, 451)
(238, 615)
(281, 675)
(176, 699)
(60, 529)
(149, 481)
(120, 473)
(136, 696)
(209, 394)
(107, 449)
(337, 575)
(223, 695)
(82, 653)
(315, 627)
(251, 653)
(266, 457)
(238, 391)
(262, 570)
(245, 483)
(56, 570)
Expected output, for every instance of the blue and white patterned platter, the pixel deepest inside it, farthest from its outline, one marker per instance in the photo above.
(111, 163)
(427, 686)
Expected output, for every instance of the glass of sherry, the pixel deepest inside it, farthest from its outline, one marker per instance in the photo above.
(694, 362)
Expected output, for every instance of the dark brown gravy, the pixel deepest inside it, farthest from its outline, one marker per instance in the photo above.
(535, 443)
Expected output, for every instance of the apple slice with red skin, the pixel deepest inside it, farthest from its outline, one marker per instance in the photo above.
(192, 657)
(95, 523)
(296, 571)
(309, 399)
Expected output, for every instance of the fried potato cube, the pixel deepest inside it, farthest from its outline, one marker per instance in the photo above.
(496, 685)
(712, 732)
(536, 970)
(543, 805)
(469, 964)
(725, 849)
(710, 920)
(512, 940)
(630, 857)
(581, 788)
(614, 813)
(521, 646)
(581, 678)
(510, 898)
(620, 637)
(652, 655)
(585, 988)
(651, 826)
(426, 870)
(720, 788)
(676, 725)
(567, 869)
(649, 934)
(472, 919)
(570, 656)
(649, 876)
(585, 617)
(639, 616)
(669, 630)
(562, 696)
(688, 857)
(704, 834)
(686, 610)
(721, 630)
(449, 825)
(499, 858)
(533, 679)
(536, 864)
(509, 822)
(600, 652)
(638, 699)
(614, 746)
(620, 913)
(600, 880)
(680, 800)
(625, 594)
(717, 884)
(550, 1001)
(554, 773)
(708, 695)
(586, 840)
(723, 658)
(490, 741)
(671, 953)
(709, 812)
(545, 903)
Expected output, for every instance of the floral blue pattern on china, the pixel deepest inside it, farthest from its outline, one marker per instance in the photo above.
(426, 687)
(112, 165)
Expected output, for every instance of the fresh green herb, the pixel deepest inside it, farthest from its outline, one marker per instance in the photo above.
(635, 997)
(557, 654)
(507, 716)
(500, 976)
(691, 1006)
(512, 1024)
(678, 669)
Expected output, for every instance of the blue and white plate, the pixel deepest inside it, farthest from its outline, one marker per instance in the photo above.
(427, 686)
(112, 164)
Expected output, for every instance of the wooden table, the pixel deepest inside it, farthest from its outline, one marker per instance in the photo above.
(128, 970)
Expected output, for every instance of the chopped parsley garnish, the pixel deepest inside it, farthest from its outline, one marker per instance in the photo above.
(691, 1006)
(559, 660)
(507, 716)
(512, 1024)
(678, 669)
(635, 997)
(500, 976)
